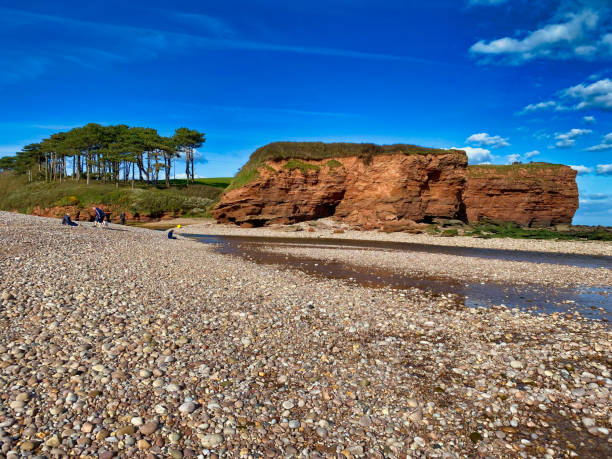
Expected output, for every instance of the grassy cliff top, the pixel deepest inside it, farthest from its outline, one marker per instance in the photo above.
(481, 169)
(319, 151)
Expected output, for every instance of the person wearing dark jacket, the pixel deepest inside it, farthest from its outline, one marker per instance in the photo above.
(67, 221)
(122, 218)
(99, 216)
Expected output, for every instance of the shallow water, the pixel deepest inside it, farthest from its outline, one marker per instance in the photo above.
(594, 303)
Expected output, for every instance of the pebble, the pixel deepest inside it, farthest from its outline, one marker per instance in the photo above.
(149, 427)
(288, 404)
(187, 407)
(211, 440)
(365, 421)
(137, 421)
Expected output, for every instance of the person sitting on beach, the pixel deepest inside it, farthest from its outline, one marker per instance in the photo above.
(99, 217)
(171, 234)
(67, 221)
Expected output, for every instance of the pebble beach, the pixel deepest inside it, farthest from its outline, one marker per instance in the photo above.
(122, 343)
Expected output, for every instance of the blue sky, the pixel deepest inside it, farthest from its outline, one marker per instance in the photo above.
(504, 79)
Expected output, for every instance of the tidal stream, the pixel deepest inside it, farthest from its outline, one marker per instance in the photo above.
(594, 303)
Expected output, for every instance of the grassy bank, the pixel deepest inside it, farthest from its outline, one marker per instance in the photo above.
(195, 200)
(510, 230)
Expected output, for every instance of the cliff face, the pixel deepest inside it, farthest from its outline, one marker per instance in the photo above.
(392, 187)
(531, 194)
(366, 192)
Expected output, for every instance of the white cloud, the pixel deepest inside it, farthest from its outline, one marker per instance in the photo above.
(594, 95)
(597, 95)
(568, 139)
(576, 37)
(531, 154)
(606, 144)
(483, 138)
(549, 104)
(476, 155)
(513, 158)
(582, 169)
(604, 169)
(589, 119)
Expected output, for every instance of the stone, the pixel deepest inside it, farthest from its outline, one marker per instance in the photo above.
(211, 440)
(52, 441)
(160, 409)
(294, 424)
(149, 427)
(143, 444)
(588, 422)
(516, 364)
(28, 445)
(102, 434)
(288, 404)
(173, 387)
(365, 421)
(187, 407)
(137, 421)
(125, 430)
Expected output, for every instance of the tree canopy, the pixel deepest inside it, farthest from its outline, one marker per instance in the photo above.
(107, 153)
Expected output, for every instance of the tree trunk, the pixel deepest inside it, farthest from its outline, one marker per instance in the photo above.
(187, 167)
(192, 167)
(167, 166)
(88, 165)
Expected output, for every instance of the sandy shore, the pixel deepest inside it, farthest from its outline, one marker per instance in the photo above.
(326, 228)
(124, 343)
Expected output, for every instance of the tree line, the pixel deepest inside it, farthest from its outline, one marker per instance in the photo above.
(107, 154)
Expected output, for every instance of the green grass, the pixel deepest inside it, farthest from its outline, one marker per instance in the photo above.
(333, 164)
(483, 170)
(217, 182)
(196, 200)
(450, 233)
(511, 230)
(303, 167)
(277, 151)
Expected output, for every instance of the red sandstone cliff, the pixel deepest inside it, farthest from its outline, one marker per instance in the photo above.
(383, 186)
(536, 194)
(365, 192)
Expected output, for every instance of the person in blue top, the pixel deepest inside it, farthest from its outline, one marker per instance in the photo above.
(99, 216)
(67, 221)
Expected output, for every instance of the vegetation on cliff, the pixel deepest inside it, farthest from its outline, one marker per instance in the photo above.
(316, 151)
(528, 169)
